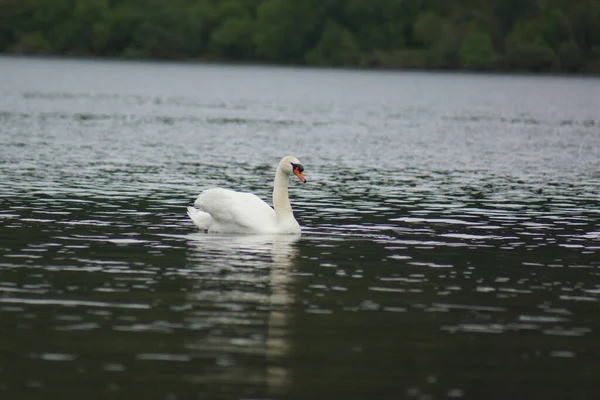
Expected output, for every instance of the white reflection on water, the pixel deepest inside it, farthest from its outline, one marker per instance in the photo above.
(252, 259)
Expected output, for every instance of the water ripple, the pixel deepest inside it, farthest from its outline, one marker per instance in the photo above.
(430, 228)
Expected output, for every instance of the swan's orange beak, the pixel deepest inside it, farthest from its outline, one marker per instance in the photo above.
(299, 174)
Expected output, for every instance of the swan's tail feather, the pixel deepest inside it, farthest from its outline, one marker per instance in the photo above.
(201, 219)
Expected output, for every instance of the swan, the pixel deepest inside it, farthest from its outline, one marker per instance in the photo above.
(227, 211)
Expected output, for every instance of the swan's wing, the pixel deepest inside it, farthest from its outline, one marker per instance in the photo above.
(228, 207)
(201, 219)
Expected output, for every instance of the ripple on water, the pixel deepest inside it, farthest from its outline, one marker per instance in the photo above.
(427, 228)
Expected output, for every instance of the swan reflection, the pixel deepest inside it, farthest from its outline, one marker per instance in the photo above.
(241, 302)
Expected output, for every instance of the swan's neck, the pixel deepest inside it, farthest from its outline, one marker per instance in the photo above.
(281, 200)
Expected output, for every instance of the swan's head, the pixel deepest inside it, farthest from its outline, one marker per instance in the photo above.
(291, 165)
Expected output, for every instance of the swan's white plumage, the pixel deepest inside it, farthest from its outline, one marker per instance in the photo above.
(232, 211)
(227, 211)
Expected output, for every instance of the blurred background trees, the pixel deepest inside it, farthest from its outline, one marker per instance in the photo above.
(529, 35)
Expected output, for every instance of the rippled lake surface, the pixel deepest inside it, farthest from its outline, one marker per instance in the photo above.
(450, 244)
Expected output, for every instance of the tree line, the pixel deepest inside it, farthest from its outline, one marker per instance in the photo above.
(526, 35)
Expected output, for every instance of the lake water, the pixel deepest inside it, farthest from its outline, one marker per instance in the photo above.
(450, 244)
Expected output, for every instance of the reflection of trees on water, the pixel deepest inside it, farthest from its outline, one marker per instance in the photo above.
(240, 308)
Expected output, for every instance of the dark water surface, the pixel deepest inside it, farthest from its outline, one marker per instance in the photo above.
(450, 243)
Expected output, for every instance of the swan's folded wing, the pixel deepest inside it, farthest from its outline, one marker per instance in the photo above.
(237, 208)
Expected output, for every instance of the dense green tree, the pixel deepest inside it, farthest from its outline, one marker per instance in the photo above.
(583, 19)
(233, 37)
(163, 29)
(286, 29)
(427, 28)
(335, 47)
(533, 35)
(476, 50)
(526, 48)
(508, 12)
(379, 24)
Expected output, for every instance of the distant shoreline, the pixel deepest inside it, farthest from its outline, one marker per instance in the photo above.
(248, 63)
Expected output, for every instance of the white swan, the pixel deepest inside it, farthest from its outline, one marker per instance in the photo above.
(227, 211)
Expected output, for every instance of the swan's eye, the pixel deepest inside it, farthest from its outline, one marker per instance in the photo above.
(299, 167)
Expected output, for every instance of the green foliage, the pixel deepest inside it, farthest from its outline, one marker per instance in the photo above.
(477, 50)
(583, 19)
(33, 42)
(233, 38)
(508, 12)
(534, 35)
(412, 59)
(163, 32)
(525, 49)
(336, 47)
(443, 53)
(380, 23)
(9, 17)
(428, 28)
(285, 29)
(569, 56)
(527, 46)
